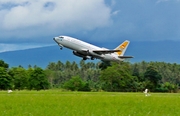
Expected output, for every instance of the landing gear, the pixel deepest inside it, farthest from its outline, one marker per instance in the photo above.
(61, 46)
(84, 58)
(92, 58)
(88, 57)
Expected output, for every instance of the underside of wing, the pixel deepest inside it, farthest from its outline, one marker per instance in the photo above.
(125, 56)
(105, 51)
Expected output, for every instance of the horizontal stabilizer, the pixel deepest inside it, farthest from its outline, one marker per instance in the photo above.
(125, 56)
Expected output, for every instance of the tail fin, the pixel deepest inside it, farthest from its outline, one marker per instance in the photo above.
(122, 47)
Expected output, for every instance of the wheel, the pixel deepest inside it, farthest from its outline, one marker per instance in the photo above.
(84, 58)
(92, 58)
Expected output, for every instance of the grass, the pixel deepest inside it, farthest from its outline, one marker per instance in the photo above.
(58, 103)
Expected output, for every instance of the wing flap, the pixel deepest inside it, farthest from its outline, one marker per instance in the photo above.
(105, 51)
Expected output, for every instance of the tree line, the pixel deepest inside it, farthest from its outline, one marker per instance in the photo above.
(82, 76)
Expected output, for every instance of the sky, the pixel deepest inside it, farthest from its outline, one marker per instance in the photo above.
(33, 23)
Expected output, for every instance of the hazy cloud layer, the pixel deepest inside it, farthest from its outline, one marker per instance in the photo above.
(13, 47)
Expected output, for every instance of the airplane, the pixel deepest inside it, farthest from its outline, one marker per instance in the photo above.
(89, 51)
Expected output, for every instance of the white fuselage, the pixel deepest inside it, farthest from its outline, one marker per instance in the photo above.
(85, 49)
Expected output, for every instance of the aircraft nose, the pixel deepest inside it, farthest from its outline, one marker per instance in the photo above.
(54, 39)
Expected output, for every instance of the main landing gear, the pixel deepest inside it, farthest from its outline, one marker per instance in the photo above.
(92, 58)
(85, 58)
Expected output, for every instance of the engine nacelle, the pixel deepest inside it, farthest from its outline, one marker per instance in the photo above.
(77, 54)
(81, 55)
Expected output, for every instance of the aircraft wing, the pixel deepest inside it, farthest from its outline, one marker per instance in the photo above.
(125, 56)
(105, 51)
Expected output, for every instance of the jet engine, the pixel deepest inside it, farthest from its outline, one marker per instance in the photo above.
(81, 55)
(78, 54)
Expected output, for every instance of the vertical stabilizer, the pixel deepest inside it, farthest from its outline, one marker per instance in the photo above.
(122, 47)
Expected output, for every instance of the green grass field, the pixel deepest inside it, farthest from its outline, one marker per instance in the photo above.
(58, 103)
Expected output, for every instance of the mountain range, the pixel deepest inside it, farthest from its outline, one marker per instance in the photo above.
(161, 51)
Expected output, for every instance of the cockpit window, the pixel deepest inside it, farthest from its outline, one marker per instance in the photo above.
(61, 37)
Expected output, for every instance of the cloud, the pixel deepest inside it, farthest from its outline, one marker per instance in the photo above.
(159, 1)
(115, 12)
(115, 20)
(31, 18)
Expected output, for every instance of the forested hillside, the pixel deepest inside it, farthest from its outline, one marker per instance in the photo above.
(82, 76)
